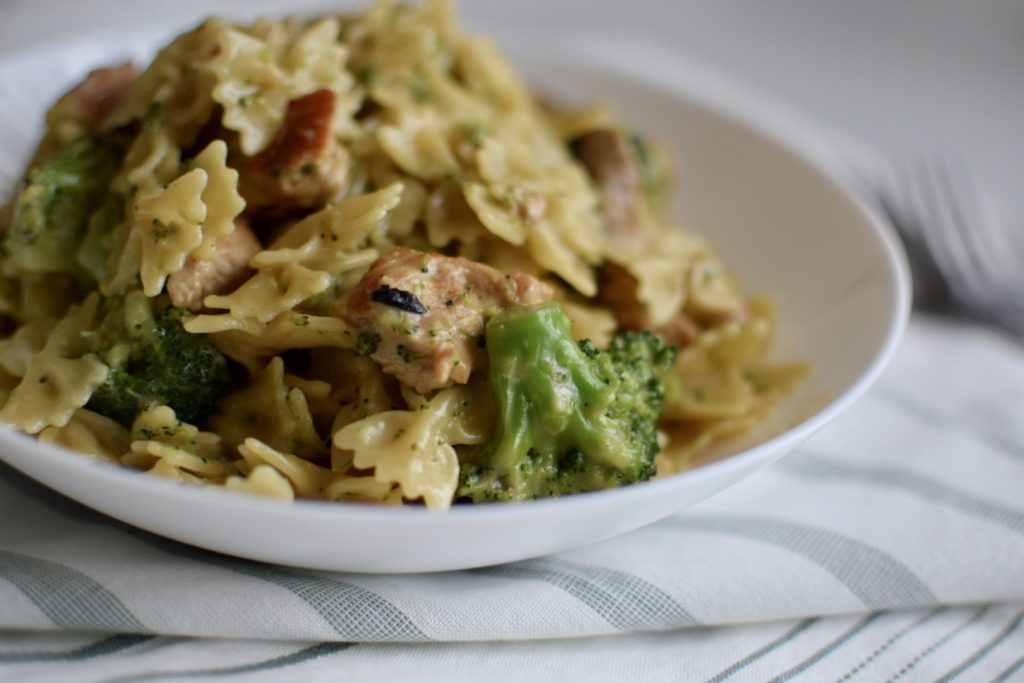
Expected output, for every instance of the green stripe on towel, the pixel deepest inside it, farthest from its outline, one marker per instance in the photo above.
(878, 579)
(304, 655)
(824, 652)
(944, 421)
(100, 648)
(909, 666)
(821, 467)
(988, 647)
(624, 600)
(893, 639)
(68, 597)
(763, 651)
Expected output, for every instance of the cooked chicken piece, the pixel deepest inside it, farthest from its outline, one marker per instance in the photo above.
(612, 164)
(680, 332)
(85, 108)
(303, 165)
(422, 316)
(617, 290)
(90, 102)
(228, 269)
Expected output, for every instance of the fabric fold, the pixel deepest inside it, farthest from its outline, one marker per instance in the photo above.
(911, 500)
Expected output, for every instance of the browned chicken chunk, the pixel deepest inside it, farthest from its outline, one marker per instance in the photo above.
(228, 269)
(303, 165)
(90, 102)
(617, 290)
(85, 108)
(609, 158)
(422, 316)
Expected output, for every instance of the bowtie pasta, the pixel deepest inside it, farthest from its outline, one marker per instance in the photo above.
(355, 258)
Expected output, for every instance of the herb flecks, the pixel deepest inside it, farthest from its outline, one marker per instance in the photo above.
(366, 344)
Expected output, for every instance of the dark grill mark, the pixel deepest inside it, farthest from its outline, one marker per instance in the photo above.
(397, 298)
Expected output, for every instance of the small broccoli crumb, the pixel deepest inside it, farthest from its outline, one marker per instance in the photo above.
(419, 88)
(473, 133)
(406, 354)
(367, 75)
(366, 344)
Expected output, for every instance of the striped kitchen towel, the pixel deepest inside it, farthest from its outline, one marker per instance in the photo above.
(890, 546)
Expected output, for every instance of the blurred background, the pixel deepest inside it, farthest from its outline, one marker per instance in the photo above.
(887, 75)
(878, 80)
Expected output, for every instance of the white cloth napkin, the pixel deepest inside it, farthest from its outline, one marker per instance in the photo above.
(891, 545)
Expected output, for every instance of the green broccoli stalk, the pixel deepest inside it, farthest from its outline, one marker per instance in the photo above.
(154, 361)
(52, 212)
(94, 252)
(570, 417)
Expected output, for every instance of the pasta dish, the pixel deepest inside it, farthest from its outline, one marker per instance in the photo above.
(356, 258)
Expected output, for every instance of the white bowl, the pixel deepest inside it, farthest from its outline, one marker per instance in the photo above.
(762, 195)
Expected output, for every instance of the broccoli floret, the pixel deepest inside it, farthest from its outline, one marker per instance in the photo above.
(94, 252)
(52, 212)
(571, 417)
(154, 361)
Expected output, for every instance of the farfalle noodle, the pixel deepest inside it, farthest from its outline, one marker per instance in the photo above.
(266, 169)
